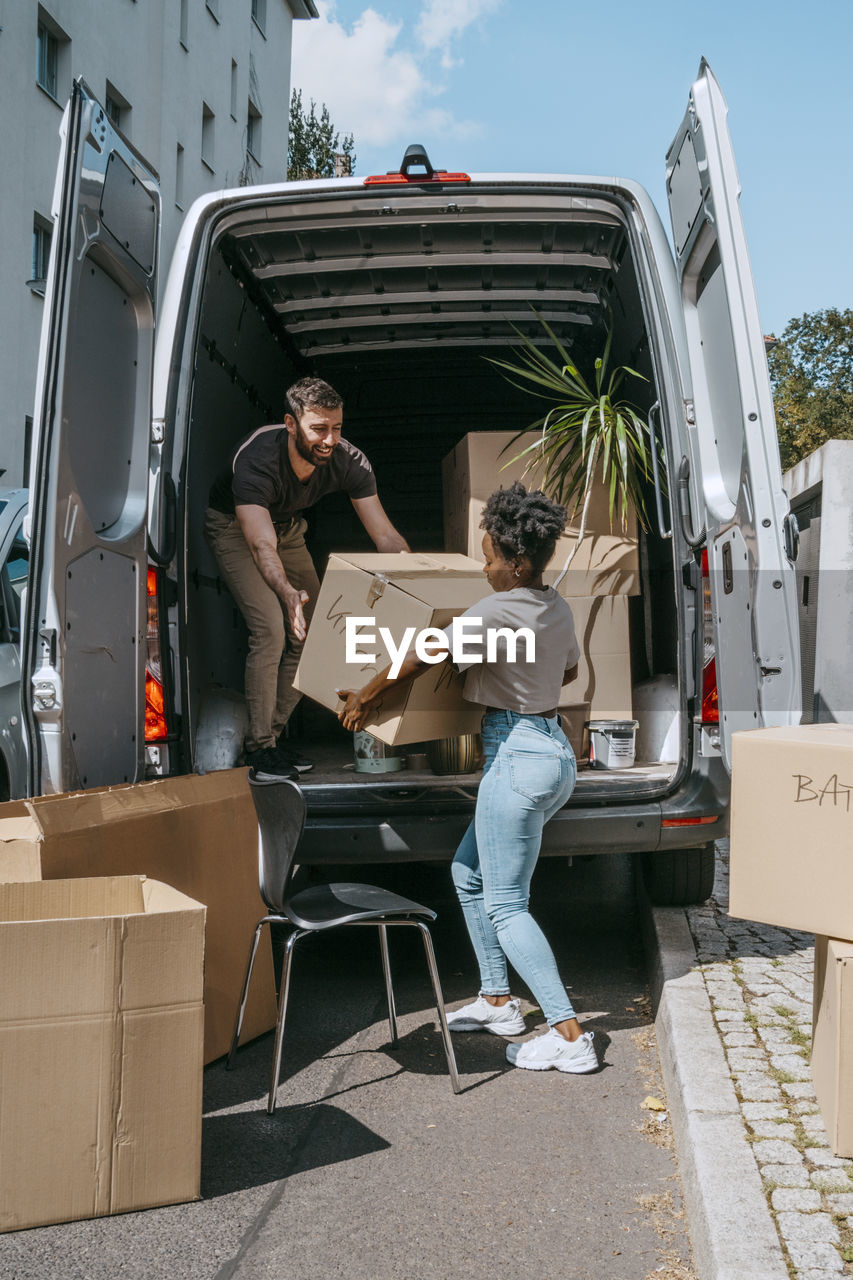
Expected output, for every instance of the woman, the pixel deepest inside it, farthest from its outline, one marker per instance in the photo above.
(529, 774)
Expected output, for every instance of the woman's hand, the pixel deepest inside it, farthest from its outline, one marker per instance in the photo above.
(356, 712)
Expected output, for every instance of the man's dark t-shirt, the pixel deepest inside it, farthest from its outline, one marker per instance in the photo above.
(259, 473)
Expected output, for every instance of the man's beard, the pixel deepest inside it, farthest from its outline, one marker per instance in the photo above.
(307, 451)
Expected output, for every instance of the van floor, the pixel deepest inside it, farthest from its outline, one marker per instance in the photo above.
(334, 764)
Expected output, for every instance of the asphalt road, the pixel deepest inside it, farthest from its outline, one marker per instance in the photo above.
(371, 1167)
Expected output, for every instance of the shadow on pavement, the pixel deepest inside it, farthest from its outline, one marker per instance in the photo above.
(250, 1148)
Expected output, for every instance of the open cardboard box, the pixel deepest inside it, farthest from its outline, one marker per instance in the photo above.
(196, 833)
(101, 1033)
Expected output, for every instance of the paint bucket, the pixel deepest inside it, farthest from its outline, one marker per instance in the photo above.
(612, 743)
(373, 756)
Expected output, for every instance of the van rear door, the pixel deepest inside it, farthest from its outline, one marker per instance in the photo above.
(736, 479)
(84, 646)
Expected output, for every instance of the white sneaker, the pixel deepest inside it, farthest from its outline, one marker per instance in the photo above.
(551, 1050)
(501, 1020)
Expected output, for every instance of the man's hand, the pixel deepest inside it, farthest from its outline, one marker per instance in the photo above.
(293, 602)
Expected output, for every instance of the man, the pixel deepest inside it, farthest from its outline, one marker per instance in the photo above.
(255, 527)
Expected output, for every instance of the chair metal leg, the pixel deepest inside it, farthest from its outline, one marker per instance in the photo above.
(238, 1025)
(439, 1005)
(389, 990)
(282, 1014)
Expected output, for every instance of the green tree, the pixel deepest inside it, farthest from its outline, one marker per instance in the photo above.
(314, 142)
(811, 369)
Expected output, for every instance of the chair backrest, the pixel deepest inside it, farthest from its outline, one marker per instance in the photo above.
(280, 806)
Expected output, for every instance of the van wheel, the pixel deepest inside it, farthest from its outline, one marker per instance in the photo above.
(679, 877)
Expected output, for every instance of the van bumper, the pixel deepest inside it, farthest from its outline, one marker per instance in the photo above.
(611, 828)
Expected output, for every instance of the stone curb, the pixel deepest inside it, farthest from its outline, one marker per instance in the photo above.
(731, 1229)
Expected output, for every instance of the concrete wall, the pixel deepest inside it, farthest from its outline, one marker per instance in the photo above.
(133, 49)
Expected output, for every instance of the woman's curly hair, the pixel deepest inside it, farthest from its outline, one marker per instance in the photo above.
(522, 522)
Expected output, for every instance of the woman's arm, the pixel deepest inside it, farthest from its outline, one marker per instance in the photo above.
(360, 702)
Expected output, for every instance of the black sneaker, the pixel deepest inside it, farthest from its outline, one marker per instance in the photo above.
(291, 754)
(267, 763)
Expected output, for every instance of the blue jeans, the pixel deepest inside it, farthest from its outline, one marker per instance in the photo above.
(529, 774)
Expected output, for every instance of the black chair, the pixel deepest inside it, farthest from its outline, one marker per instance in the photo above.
(280, 806)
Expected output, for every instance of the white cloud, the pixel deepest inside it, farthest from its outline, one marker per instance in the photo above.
(374, 86)
(441, 21)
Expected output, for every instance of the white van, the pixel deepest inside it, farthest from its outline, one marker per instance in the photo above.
(393, 288)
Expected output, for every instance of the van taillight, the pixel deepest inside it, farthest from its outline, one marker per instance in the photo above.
(710, 698)
(155, 706)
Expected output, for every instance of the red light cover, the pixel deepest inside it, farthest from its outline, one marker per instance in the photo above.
(710, 699)
(414, 179)
(155, 712)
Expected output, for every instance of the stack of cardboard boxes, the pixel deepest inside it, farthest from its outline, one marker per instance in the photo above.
(110, 1002)
(604, 571)
(792, 865)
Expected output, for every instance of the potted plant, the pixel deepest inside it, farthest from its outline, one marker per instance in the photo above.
(589, 431)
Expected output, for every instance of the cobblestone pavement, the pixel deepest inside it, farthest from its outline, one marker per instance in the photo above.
(759, 981)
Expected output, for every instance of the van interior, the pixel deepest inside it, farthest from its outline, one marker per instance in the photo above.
(398, 301)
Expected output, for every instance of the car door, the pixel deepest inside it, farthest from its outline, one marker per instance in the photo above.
(736, 479)
(83, 657)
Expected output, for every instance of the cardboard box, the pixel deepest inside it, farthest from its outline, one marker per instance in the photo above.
(791, 848)
(101, 1032)
(398, 591)
(607, 561)
(604, 669)
(832, 1040)
(196, 833)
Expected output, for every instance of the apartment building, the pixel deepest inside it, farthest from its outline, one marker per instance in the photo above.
(200, 87)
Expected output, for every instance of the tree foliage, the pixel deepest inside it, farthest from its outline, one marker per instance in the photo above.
(811, 369)
(313, 142)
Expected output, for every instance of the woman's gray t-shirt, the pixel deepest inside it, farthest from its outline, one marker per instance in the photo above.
(502, 676)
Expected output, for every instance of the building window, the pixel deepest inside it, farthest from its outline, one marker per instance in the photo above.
(207, 122)
(28, 448)
(117, 108)
(233, 89)
(259, 14)
(42, 232)
(51, 50)
(253, 132)
(179, 177)
(184, 38)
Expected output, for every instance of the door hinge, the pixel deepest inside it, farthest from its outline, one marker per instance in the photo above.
(158, 430)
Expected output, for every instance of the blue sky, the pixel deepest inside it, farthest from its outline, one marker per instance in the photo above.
(556, 86)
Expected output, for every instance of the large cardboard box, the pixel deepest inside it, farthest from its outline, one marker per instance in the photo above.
(832, 1040)
(396, 592)
(606, 562)
(604, 669)
(791, 847)
(101, 1032)
(196, 833)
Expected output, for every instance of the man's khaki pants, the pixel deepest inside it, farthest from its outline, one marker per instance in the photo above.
(273, 651)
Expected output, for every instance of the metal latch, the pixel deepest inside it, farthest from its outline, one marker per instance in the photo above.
(158, 430)
(377, 588)
(44, 695)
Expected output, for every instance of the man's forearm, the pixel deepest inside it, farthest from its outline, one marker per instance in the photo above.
(270, 569)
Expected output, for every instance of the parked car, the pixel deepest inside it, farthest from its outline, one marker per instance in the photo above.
(393, 288)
